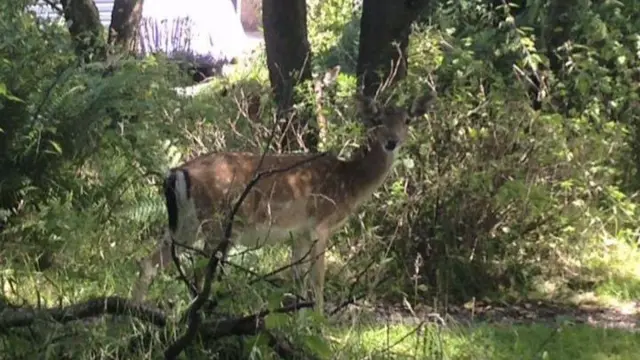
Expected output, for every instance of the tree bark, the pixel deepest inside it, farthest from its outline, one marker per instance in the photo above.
(288, 59)
(557, 30)
(125, 20)
(85, 28)
(385, 27)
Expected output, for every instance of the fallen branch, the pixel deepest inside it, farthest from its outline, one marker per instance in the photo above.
(283, 347)
(246, 325)
(112, 305)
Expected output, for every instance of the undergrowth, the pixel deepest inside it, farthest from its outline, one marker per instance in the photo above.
(506, 191)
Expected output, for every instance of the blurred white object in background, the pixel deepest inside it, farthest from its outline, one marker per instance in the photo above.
(203, 31)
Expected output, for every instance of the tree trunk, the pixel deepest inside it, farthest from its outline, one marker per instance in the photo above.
(385, 27)
(288, 60)
(85, 29)
(125, 19)
(557, 30)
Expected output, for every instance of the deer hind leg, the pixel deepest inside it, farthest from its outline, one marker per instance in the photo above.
(149, 267)
(308, 256)
(162, 257)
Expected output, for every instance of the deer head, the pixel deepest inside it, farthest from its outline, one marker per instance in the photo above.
(388, 126)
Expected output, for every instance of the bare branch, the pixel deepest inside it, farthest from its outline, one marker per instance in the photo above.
(284, 348)
(247, 325)
(193, 290)
(253, 273)
(352, 297)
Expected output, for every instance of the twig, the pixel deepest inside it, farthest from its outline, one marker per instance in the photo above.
(191, 248)
(112, 305)
(247, 325)
(193, 290)
(403, 338)
(251, 272)
(350, 298)
(55, 6)
(285, 267)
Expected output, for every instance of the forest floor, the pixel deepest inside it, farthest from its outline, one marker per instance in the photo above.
(619, 316)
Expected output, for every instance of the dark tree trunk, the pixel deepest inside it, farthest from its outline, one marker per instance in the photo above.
(385, 27)
(557, 30)
(123, 35)
(85, 29)
(288, 59)
(125, 19)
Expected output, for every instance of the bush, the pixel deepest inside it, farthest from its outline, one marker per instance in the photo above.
(512, 179)
(64, 149)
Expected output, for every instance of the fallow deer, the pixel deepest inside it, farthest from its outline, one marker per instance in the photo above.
(306, 203)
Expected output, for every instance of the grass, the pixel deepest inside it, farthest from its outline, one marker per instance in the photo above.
(618, 269)
(360, 338)
(489, 342)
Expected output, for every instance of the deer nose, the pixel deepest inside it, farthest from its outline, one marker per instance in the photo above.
(391, 145)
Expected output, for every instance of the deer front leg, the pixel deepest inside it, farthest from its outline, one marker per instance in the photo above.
(301, 256)
(318, 267)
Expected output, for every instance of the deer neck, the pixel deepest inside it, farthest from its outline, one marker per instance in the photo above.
(369, 169)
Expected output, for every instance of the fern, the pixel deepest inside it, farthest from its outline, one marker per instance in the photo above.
(149, 209)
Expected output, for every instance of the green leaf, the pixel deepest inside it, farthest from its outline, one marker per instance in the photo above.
(318, 345)
(583, 84)
(56, 147)
(274, 300)
(408, 163)
(276, 320)
(5, 92)
(258, 344)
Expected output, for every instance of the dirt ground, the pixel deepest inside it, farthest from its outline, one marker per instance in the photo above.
(623, 316)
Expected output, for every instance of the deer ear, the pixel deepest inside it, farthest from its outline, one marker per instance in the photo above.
(422, 104)
(366, 105)
(368, 109)
(331, 75)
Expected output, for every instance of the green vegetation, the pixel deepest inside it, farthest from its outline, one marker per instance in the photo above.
(520, 186)
(491, 342)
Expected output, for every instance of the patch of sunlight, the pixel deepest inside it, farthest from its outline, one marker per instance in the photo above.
(55, 288)
(485, 342)
(402, 342)
(565, 342)
(617, 269)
